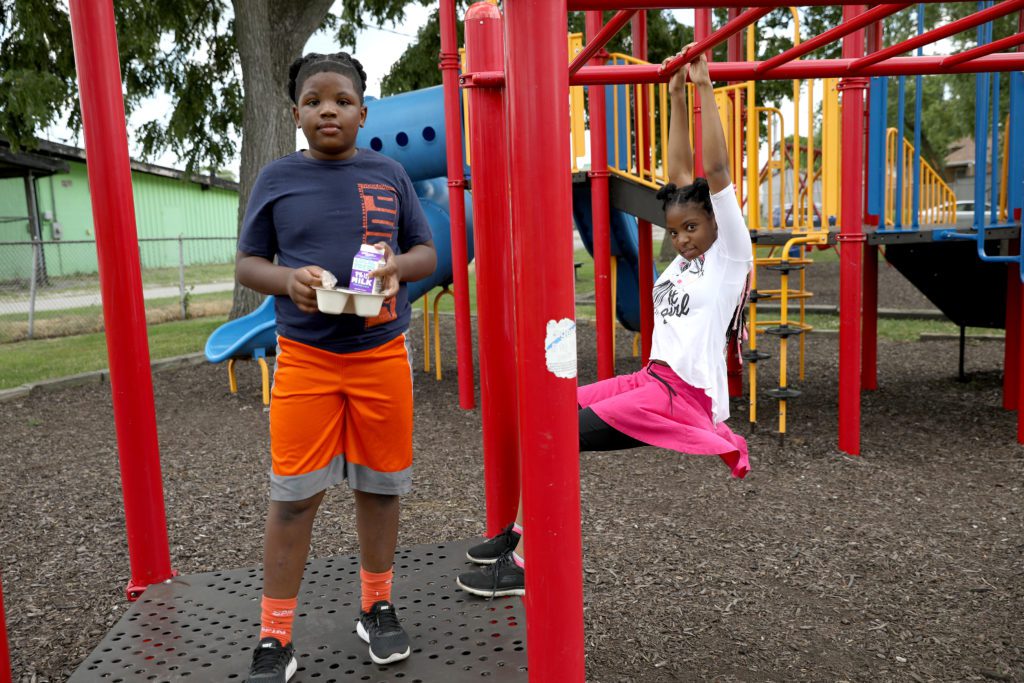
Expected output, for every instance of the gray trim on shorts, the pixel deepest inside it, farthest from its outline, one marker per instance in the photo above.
(360, 478)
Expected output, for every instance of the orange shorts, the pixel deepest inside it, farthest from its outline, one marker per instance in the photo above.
(336, 416)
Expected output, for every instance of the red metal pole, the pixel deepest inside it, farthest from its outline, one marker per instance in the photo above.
(871, 16)
(604, 315)
(701, 29)
(457, 201)
(5, 654)
(598, 41)
(124, 313)
(987, 49)
(644, 234)
(538, 112)
(939, 33)
(869, 333)
(808, 68)
(851, 238)
(499, 397)
(1011, 359)
(706, 43)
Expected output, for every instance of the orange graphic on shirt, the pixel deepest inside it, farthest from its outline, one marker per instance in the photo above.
(380, 220)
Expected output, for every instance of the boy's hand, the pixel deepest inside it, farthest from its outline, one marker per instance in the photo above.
(698, 70)
(677, 84)
(388, 273)
(300, 287)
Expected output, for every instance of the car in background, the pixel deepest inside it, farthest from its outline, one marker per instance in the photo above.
(965, 212)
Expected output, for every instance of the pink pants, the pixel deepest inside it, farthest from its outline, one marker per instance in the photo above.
(656, 406)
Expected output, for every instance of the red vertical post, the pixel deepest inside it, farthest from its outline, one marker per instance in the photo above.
(645, 238)
(457, 201)
(605, 316)
(852, 239)
(124, 313)
(701, 30)
(5, 654)
(485, 50)
(538, 109)
(1011, 357)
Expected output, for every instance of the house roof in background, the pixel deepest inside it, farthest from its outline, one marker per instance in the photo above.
(961, 152)
(56, 151)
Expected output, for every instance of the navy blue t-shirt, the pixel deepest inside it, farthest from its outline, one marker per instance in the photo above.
(311, 212)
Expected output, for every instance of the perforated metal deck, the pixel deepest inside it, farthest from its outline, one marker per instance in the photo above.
(202, 627)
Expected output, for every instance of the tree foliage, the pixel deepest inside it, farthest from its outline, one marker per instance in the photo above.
(186, 49)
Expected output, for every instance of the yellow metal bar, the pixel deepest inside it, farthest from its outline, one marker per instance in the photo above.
(437, 331)
(615, 125)
(465, 110)
(753, 163)
(232, 380)
(614, 272)
(831, 151)
(576, 106)
(663, 97)
(652, 128)
(638, 99)
(265, 376)
(426, 332)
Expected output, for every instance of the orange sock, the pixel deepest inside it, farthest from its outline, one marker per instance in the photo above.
(276, 619)
(375, 587)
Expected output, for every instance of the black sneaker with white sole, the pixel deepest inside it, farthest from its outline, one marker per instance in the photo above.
(272, 662)
(490, 550)
(380, 628)
(504, 577)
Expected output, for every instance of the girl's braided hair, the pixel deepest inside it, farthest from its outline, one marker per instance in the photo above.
(314, 62)
(696, 192)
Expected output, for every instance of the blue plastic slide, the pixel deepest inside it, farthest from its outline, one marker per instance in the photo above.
(244, 337)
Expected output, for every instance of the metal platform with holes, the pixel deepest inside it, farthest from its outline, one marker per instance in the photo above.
(203, 627)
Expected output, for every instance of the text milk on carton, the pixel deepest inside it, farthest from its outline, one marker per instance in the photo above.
(367, 260)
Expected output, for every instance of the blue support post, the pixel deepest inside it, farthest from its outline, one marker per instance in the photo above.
(901, 107)
(993, 191)
(878, 98)
(980, 133)
(1015, 180)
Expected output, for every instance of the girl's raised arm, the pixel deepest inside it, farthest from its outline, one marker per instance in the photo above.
(715, 152)
(680, 156)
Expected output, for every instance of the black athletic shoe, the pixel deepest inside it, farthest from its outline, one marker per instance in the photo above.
(504, 577)
(490, 550)
(272, 662)
(380, 628)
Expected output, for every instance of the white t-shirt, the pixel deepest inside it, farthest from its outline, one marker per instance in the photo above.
(694, 302)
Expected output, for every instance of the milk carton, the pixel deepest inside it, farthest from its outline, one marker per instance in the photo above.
(367, 260)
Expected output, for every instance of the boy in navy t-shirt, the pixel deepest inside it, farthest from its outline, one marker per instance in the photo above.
(342, 397)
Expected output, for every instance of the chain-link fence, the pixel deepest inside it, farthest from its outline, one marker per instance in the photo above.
(52, 288)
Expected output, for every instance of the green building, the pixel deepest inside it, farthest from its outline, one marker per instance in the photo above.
(167, 205)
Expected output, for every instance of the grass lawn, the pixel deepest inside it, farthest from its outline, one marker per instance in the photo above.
(40, 359)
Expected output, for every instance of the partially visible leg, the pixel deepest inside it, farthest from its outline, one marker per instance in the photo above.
(377, 526)
(286, 546)
(598, 435)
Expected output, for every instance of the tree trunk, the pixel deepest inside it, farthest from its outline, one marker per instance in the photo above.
(668, 250)
(269, 34)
